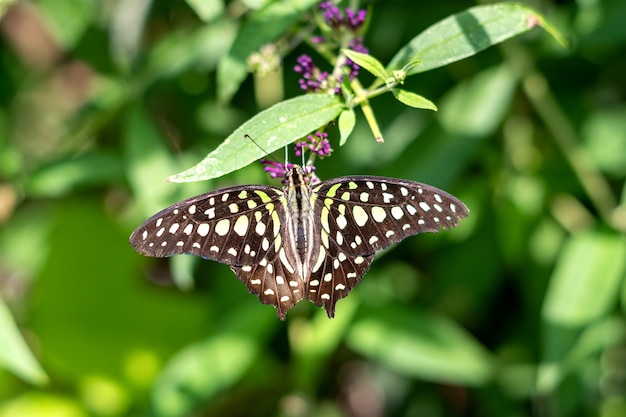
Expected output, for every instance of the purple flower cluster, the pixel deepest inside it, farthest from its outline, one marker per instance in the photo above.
(312, 78)
(336, 19)
(317, 143)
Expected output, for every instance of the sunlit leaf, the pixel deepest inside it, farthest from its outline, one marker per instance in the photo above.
(413, 100)
(178, 51)
(63, 176)
(347, 120)
(368, 62)
(467, 33)
(204, 369)
(479, 104)
(430, 347)
(207, 10)
(271, 129)
(15, 354)
(586, 279)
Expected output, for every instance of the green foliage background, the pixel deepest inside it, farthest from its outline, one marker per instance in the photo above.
(520, 311)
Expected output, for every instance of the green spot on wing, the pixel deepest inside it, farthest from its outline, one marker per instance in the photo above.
(332, 191)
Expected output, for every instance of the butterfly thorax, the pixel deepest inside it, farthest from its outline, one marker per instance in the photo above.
(299, 224)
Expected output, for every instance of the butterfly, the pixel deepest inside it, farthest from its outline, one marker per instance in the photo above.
(312, 241)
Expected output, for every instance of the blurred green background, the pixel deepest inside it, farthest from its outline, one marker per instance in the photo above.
(518, 312)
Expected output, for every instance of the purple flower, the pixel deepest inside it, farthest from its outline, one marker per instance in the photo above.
(312, 78)
(274, 168)
(317, 143)
(278, 170)
(332, 15)
(355, 19)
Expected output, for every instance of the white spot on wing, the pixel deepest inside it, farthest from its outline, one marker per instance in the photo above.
(203, 229)
(222, 227)
(341, 221)
(378, 214)
(360, 216)
(241, 225)
(397, 212)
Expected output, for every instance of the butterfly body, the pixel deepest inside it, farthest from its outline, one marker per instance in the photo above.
(301, 241)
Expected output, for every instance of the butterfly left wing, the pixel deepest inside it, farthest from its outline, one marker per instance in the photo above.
(239, 226)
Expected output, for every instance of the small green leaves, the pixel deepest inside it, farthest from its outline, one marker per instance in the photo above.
(413, 100)
(347, 120)
(368, 62)
(271, 129)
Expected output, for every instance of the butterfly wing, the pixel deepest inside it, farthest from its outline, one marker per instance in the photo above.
(363, 214)
(239, 226)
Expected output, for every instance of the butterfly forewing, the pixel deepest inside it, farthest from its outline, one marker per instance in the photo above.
(366, 214)
(231, 226)
(300, 241)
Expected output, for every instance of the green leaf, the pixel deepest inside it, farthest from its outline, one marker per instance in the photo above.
(478, 105)
(368, 62)
(467, 33)
(149, 160)
(413, 100)
(15, 354)
(262, 28)
(204, 369)
(207, 10)
(314, 340)
(271, 129)
(201, 48)
(68, 20)
(347, 120)
(432, 348)
(585, 282)
(63, 176)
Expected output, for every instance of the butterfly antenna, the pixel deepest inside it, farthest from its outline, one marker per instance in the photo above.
(267, 154)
